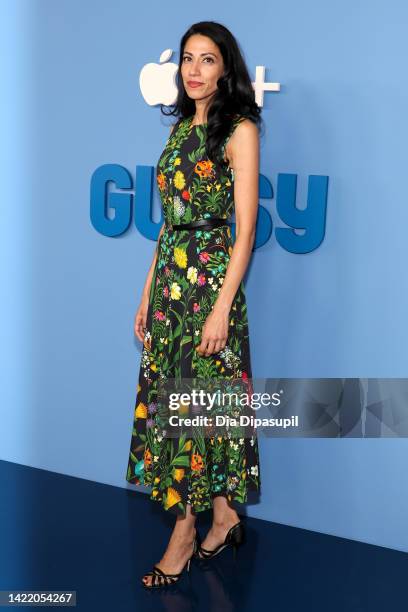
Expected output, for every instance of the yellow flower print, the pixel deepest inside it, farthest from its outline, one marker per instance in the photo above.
(175, 293)
(187, 445)
(192, 274)
(172, 497)
(177, 161)
(141, 411)
(180, 257)
(179, 180)
(178, 474)
(183, 409)
(218, 186)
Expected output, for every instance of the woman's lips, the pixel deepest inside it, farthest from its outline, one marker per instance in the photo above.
(194, 83)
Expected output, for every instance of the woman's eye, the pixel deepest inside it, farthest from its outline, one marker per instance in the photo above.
(186, 57)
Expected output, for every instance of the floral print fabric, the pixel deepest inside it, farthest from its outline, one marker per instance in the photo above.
(189, 272)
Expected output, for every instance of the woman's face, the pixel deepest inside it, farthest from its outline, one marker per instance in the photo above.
(201, 67)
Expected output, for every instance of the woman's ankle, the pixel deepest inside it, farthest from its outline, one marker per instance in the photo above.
(185, 531)
(225, 518)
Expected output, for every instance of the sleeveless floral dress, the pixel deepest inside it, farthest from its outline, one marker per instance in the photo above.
(189, 271)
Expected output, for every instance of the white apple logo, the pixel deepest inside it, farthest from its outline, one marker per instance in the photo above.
(157, 81)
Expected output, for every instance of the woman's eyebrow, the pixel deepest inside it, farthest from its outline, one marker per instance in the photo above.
(205, 53)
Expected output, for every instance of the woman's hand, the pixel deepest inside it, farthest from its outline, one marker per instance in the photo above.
(214, 333)
(141, 318)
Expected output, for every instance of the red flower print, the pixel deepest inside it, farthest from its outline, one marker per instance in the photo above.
(204, 257)
(185, 195)
(247, 382)
(201, 279)
(196, 307)
(160, 316)
(166, 291)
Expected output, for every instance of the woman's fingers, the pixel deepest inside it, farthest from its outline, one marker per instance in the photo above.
(219, 345)
(209, 346)
(214, 334)
(140, 324)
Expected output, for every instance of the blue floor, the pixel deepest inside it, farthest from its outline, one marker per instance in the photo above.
(63, 533)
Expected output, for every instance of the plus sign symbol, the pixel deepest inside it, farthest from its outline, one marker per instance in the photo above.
(260, 86)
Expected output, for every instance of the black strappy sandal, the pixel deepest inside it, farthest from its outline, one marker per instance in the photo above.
(235, 537)
(160, 578)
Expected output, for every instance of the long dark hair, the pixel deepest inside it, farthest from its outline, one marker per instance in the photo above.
(235, 94)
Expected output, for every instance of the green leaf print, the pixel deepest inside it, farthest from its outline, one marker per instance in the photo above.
(181, 461)
(205, 367)
(186, 340)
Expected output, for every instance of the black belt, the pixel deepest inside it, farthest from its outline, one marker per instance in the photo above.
(200, 223)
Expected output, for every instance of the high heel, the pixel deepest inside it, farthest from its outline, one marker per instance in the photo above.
(235, 537)
(160, 578)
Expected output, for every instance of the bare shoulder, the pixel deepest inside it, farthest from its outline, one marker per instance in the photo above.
(245, 133)
(246, 127)
(243, 141)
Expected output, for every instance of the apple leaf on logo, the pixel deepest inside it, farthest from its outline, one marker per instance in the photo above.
(166, 55)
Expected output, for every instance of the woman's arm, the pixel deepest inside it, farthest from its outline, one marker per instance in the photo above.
(243, 154)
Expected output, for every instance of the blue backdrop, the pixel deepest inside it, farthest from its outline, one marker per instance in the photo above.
(71, 103)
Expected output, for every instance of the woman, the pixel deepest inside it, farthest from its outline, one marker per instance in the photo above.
(192, 318)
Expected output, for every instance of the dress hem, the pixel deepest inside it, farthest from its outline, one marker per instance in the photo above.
(180, 507)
